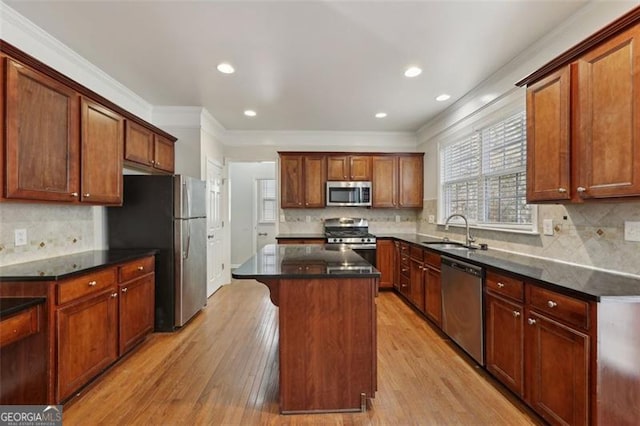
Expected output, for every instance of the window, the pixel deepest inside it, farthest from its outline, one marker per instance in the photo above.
(483, 176)
(266, 200)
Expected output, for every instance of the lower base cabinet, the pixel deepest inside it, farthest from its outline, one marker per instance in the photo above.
(136, 304)
(87, 336)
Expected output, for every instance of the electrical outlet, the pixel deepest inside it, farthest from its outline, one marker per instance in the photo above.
(398, 218)
(547, 226)
(631, 231)
(20, 237)
(432, 219)
(307, 219)
(283, 218)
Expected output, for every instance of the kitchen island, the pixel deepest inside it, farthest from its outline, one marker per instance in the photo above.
(327, 324)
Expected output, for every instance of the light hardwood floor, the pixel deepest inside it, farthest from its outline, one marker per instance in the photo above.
(222, 369)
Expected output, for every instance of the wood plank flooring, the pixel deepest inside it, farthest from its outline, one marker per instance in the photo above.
(222, 369)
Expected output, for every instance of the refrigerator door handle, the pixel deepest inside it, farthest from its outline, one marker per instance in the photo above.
(186, 251)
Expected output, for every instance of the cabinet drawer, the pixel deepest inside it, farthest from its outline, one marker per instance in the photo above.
(19, 326)
(416, 253)
(404, 249)
(559, 306)
(135, 269)
(432, 259)
(505, 286)
(84, 285)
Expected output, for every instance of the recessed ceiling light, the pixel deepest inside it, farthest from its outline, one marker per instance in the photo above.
(443, 97)
(250, 113)
(412, 72)
(381, 114)
(226, 68)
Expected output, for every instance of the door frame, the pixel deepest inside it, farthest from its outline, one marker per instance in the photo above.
(225, 277)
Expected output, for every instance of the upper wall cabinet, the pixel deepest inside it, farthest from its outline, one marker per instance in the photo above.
(302, 181)
(42, 142)
(145, 148)
(397, 181)
(349, 167)
(61, 141)
(583, 131)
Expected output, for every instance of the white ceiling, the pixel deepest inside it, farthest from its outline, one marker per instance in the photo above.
(302, 65)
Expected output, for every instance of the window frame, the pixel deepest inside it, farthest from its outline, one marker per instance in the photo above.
(261, 201)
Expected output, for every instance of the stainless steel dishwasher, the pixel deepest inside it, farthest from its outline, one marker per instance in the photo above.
(462, 317)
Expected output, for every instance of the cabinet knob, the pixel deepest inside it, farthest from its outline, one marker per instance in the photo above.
(92, 283)
(74, 194)
(562, 190)
(552, 304)
(531, 321)
(581, 189)
(306, 204)
(516, 314)
(114, 295)
(86, 195)
(500, 285)
(124, 290)
(152, 162)
(157, 163)
(140, 268)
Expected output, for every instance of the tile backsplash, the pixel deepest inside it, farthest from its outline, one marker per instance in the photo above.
(298, 221)
(585, 234)
(52, 230)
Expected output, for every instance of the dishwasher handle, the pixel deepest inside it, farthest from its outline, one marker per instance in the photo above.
(461, 266)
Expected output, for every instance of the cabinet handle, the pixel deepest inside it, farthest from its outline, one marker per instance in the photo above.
(86, 195)
(552, 304)
(74, 194)
(581, 189)
(516, 314)
(531, 321)
(124, 290)
(114, 295)
(500, 285)
(562, 190)
(92, 283)
(140, 268)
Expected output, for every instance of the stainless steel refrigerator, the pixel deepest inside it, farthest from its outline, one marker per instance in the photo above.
(167, 213)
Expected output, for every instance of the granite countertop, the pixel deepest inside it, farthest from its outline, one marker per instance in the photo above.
(13, 305)
(305, 261)
(299, 236)
(56, 268)
(579, 281)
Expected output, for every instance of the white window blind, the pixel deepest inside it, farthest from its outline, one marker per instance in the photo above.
(267, 200)
(483, 175)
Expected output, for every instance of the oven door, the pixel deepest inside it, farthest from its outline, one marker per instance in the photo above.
(367, 253)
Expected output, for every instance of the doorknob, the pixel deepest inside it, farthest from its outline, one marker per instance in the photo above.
(209, 237)
(262, 234)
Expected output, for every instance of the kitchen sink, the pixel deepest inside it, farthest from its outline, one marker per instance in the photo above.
(446, 246)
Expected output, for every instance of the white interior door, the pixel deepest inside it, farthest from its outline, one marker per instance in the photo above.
(215, 224)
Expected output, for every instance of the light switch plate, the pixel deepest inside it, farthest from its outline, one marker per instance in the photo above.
(631, 231)
(432, 219)
(547, 226)
(20, 237)
(398, 218)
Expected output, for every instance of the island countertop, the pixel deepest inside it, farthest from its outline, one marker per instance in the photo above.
(305, 261)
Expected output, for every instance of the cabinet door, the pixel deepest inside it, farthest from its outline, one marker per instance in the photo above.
(42, 142)
(548, 140)
(136, 311)
(504, 342)
(163, 154)
(314, 181)
(385, 262)
(607, 139)
(87, 341)
(433, 295)
(396, 265)
(360, 167)
(101, 153)
(138, 145)
(338, 167)
(416, 290)
(384, 181)
(410, 183)
(291, 187)
(557, 364)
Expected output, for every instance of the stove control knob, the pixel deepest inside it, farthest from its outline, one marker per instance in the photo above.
(339, 240)
(362, 240)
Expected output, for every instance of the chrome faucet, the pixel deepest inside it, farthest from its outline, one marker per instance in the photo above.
(470, 239)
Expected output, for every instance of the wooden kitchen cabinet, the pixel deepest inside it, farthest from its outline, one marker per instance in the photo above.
(302, 181)
(385, 262)
(384, 181)
(101, 154)
(416, 277)
(87, 333)
(136, 311)
(42, 139)
(583, 136)
(397, 181)
(404, 268)
(349, 167)
(144, 147)
(432, 287)
(410, 181)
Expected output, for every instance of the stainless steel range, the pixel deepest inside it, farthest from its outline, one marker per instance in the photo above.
(352, 233)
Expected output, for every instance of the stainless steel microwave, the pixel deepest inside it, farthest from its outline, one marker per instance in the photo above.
(349, 194)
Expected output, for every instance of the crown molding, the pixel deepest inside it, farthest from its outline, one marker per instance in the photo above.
(338, 140)
(28, 37)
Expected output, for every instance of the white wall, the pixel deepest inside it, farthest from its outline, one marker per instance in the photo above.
(242, 177)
